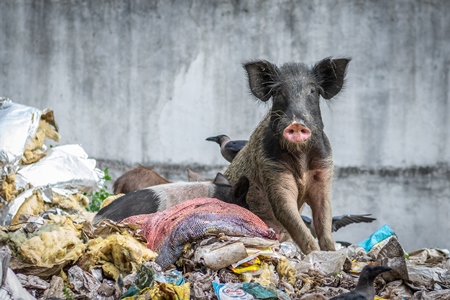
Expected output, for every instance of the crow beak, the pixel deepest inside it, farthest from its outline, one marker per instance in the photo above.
(213, 139)
(382, 269)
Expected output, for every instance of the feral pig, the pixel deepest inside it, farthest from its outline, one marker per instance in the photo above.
(288, 158)
(136, 179)
(160, 197)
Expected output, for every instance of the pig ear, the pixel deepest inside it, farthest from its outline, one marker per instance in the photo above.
(193, 176)
(221, 180)
(262, 76)
(331, 73)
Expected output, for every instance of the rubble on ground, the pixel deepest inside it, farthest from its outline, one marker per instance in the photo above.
(200, 249)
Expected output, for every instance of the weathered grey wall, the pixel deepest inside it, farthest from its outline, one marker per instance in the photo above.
(147, 81)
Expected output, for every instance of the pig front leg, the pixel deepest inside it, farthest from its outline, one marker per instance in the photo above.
(318, 198)
(259, 204)
(282, 192)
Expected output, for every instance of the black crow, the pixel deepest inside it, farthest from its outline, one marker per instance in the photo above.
(228, 148)
(364, 289)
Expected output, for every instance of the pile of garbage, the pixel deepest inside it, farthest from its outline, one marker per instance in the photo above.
(199, 249)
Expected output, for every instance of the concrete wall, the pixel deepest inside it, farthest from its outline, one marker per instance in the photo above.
(147, 81)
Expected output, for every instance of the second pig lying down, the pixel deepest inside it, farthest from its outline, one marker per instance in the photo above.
(160, 197)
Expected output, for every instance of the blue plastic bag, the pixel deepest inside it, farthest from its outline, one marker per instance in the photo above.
(381, 234)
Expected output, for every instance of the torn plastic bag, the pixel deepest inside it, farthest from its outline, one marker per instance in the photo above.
(220, 255)
(66, 167)
(255, 243)
(34, 196)
(10, 286)
(397, 290)
(67, 171)
(424, 276)
(33, 282)
(86, 286)
(430, 256)
(231, 291)
(201, 287)
(12, 289)
(246, 291)
(327, 262)
(223, 251)
(378, 236)
(392, 255)
(290, 249)
(435, 295)
(38, 200)
(151, 282)
(356, 252)
(149, 273)
(83, 282)
(57, 289)
(18, 124)
(23, 131)
(168, 231)
(251, 265)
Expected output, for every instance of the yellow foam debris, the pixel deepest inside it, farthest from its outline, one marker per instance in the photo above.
(164, 291)
(110, 270)
(75, 201)
(33, 205)
(286, 271)
(8, 187)
(54, 242)
(123, 251)
(267, 276)
(47, 129)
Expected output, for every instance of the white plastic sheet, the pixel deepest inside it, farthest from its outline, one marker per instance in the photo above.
(18, 124)
(66, 166)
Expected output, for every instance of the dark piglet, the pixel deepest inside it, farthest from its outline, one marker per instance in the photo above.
(160, 197)
(136, 179)
(288, 158)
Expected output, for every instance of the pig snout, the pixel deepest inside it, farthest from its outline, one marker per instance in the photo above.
(296, 133)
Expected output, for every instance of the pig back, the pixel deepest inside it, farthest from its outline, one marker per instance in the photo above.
(249, 157)
(251, 162)
(136, 179)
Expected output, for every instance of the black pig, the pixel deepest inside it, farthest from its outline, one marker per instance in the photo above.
(288, 158)
(160, 197)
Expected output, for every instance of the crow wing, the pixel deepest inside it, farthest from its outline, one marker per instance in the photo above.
(235, 145)
(344, 220)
